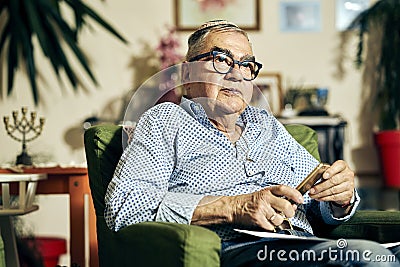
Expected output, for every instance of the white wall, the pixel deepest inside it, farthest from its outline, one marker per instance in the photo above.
(300, 57)
(307, 57)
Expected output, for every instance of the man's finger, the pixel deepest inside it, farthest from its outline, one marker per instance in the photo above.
(338, 198)
(332, 190)
(287, 192)
(337, 167)
(337, 179)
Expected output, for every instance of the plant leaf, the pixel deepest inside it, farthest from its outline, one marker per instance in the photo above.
(26, 19)
(68, 37)
(86, 10)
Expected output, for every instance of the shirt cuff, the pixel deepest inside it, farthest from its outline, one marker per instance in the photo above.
(327, 212)
(177, 207)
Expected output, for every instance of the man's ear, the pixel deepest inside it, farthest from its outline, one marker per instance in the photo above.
(185, 78)
(185, 72)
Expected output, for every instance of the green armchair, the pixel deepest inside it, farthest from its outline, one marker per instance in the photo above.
(170, 244)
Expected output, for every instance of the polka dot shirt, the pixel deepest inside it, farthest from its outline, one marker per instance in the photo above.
(176, 157)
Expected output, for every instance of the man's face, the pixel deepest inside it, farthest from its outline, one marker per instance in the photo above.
(222, 93)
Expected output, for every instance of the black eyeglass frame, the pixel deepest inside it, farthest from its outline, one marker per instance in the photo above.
(239, 63)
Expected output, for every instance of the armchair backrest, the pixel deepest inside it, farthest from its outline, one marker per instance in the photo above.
(306, 137)
(103, 147)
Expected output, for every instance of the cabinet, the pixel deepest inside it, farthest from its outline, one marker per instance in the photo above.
(330, 131)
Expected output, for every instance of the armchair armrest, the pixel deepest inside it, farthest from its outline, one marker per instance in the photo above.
(160, 244)
(380, 226)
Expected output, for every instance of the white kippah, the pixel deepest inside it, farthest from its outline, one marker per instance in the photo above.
(214, 23)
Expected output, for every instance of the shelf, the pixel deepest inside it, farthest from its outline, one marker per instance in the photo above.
(26, 192)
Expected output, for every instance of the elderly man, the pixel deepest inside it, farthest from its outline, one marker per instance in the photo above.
(218, 162)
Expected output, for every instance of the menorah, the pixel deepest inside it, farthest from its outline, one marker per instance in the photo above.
(26, 129)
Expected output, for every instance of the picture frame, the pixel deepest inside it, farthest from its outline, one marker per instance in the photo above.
(268, 87)
(347, 11)
(300, 16)
(190, 14)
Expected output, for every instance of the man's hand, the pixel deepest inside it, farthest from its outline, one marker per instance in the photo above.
(337, 185)
(265, 208)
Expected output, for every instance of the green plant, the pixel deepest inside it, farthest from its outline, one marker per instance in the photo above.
(22, 22)
(383, 20)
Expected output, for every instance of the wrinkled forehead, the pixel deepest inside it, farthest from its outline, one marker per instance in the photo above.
(233, 41)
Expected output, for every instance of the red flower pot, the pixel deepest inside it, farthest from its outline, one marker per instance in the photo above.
(48, 248)
(388, 143)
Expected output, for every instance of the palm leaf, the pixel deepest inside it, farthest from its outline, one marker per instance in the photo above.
(5, 34)
(26, 19)
(68, 37)
(58, 55)
(30, 66)
(86, 10)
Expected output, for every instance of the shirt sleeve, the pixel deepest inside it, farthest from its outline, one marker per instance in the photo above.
(327, 212)
(138, 191)
(178, 207)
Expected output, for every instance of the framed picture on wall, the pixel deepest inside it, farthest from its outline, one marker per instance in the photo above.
(267, 92)
(347, 11)
(190, 14)
(297, 16)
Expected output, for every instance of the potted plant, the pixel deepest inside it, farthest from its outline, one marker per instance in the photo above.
(24, 21)
(381, 24)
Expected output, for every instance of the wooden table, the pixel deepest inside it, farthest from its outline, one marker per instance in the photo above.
(75, 182)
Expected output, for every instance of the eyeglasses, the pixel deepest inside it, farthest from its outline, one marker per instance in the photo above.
(224, 63)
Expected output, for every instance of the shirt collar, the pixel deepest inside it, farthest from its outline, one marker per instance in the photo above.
(196, 111)
(251, 116)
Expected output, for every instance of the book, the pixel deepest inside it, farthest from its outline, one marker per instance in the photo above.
(266, 234)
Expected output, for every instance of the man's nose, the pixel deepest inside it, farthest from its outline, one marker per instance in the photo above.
(235, 74)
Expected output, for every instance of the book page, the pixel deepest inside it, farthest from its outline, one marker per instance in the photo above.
(280, 236)
(266, 234)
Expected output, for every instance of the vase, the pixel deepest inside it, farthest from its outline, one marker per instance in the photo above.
(388, 144)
